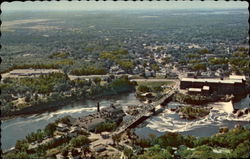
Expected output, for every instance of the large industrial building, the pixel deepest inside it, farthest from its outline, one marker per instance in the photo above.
(233, 85)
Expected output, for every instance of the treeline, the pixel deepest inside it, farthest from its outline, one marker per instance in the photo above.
(240, 62)
(90, 70)
(193, 99)
(229, 144)
(44, 83)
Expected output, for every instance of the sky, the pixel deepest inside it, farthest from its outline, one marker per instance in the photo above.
(121, 5)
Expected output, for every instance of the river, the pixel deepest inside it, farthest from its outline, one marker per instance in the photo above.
(219, 116)
(17, 128)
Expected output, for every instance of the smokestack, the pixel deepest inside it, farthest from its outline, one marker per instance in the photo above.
(98, 107)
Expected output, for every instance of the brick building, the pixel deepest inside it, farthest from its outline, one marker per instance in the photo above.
(219, 86)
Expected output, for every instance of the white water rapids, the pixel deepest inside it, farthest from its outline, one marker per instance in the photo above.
(169, 121)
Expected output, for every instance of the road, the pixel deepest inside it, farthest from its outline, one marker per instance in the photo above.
(155, 80)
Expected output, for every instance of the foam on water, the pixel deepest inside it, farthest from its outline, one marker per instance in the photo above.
(169, 121)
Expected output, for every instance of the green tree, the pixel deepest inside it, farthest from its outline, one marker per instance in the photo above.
(22, 145)
(79, 141)
(143, 88)
(115, 138)
(242, 150)
(199, 67)
(50, 129)
(85, 149)
(128, 152)
(97, 80)
(105, 126)
(155, 67)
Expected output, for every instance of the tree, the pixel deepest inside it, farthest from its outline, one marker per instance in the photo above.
(27, 98)
(97, 80)
(22, 145)
(85, 149)
(204, 51)
(128, 152)
(143, 88)
(155, 67)
(105, 126)
(116, 138)
(20, 155)
(79, 141)
(199, 67)
(75, 152)
(50, 129)
(62, 86)
(65, 152)
(126, 64)
(153, 138)
(242, 150)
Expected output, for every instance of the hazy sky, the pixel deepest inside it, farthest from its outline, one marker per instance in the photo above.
(121, 5)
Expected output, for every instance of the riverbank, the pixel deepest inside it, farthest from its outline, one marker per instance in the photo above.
(55, 105)
(17, 128)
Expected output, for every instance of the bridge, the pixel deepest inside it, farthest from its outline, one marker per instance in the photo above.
(148, 111)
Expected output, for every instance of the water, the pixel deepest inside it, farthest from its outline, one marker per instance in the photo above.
(18, 128)
(219, 116)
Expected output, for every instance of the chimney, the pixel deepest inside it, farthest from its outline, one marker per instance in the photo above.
(98, 107)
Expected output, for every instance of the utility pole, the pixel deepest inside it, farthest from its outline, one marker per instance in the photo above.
(98, 107)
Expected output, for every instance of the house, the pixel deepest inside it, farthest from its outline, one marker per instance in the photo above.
(91, 123)
(62, 127)
(99, 148)
(171, 75)
(105, 135)
(191, 74)
(149, 73)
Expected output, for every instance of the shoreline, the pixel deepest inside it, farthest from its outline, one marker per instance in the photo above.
(53, 106)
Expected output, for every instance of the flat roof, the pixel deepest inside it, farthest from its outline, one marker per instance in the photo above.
(205, 87)
(237, 77)
(209, 80)
(194, 89)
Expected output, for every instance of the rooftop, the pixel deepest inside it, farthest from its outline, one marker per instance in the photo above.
(194, 89)
(215, 80)
(205, 87)
(237, 77)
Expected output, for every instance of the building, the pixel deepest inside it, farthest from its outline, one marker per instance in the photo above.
(99, 148)
(89, 122)
(218, 86)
